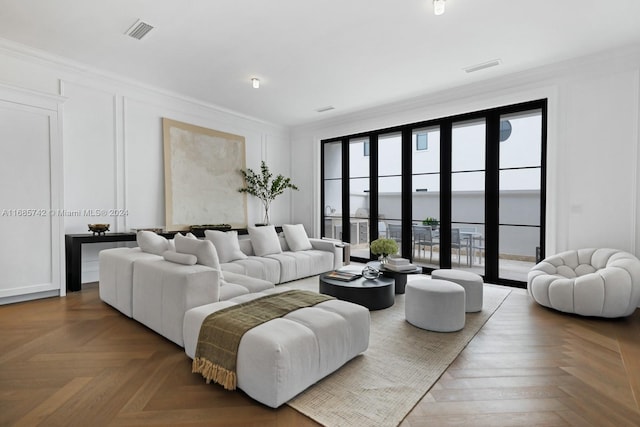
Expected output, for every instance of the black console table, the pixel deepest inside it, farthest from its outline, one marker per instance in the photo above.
(73, 253)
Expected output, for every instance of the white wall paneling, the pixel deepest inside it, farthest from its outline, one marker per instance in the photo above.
(90, 158)
(113, 157)
(132, 175)
(31, 249)
(600, 165)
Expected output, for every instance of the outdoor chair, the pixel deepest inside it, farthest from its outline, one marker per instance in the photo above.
(456, 243)
(394, 231)
(423, 237)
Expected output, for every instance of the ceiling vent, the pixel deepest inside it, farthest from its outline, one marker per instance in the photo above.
(139, 29)
(482, 66)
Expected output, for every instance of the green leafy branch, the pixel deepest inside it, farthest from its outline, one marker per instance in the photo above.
(264, 187)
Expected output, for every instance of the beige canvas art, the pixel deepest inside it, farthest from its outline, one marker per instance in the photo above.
(202, 176)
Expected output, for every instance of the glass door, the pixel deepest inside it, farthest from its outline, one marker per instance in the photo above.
(520, 193)
(425, 193)
(390, 188)
(468, 163)
(332, 190)
(359, 201)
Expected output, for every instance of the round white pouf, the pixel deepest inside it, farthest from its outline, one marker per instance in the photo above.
(471, 282)
(435, 305)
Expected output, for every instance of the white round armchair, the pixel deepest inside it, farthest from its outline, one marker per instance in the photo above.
(589, 282)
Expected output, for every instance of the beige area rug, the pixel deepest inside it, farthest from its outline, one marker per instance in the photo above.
(381, 386)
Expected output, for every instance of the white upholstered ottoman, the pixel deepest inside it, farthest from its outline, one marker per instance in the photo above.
(435, 305)
(471, 282)
(282, 357)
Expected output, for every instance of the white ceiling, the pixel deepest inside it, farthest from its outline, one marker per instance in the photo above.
(308, 54)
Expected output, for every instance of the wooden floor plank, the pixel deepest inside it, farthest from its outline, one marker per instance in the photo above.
(51, 404)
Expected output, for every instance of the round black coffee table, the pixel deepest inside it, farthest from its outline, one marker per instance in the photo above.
(375, 294)
(400, 277)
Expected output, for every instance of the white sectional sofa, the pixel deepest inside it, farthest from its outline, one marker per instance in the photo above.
(171, 286)
(160, 280)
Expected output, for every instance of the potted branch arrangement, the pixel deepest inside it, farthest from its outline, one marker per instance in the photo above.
(263, 186)
(433, 222)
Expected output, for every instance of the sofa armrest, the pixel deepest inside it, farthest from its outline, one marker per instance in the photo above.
(324, 245)
(336, 246)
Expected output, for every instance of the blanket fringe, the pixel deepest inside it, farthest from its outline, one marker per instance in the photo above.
(213, 372)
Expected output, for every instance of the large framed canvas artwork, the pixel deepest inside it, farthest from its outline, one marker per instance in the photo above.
(201, 172)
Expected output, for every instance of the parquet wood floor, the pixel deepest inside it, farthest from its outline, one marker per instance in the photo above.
(76, 361)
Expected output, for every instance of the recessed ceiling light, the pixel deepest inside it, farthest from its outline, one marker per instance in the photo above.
(482, 66)
(327, 108)
(255, 82)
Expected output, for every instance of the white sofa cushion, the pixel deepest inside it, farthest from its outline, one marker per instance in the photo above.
(151, 243)
(288, 267)
(265, 240)
(116, 276)
(163, 291)
(202, 249)
(250, 283)
(179, 258)
(226, 244)
(296, 237)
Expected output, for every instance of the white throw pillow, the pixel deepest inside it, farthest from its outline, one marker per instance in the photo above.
(202, 249)
(178, 258)
(152, 243)
(226, 244)
(296, 237)
(172, 243)
(265, 240)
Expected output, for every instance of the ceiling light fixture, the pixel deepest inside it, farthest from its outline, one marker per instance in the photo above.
(255, 82)
(438, 7)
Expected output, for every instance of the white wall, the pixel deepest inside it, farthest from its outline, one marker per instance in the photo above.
(113, 148)
(592, 159)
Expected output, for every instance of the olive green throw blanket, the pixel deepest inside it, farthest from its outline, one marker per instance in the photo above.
(221, 332)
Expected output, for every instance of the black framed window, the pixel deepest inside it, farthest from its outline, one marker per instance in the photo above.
(475, 200)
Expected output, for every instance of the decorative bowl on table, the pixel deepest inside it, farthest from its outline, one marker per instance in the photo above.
(370, 273)
(99, 228)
